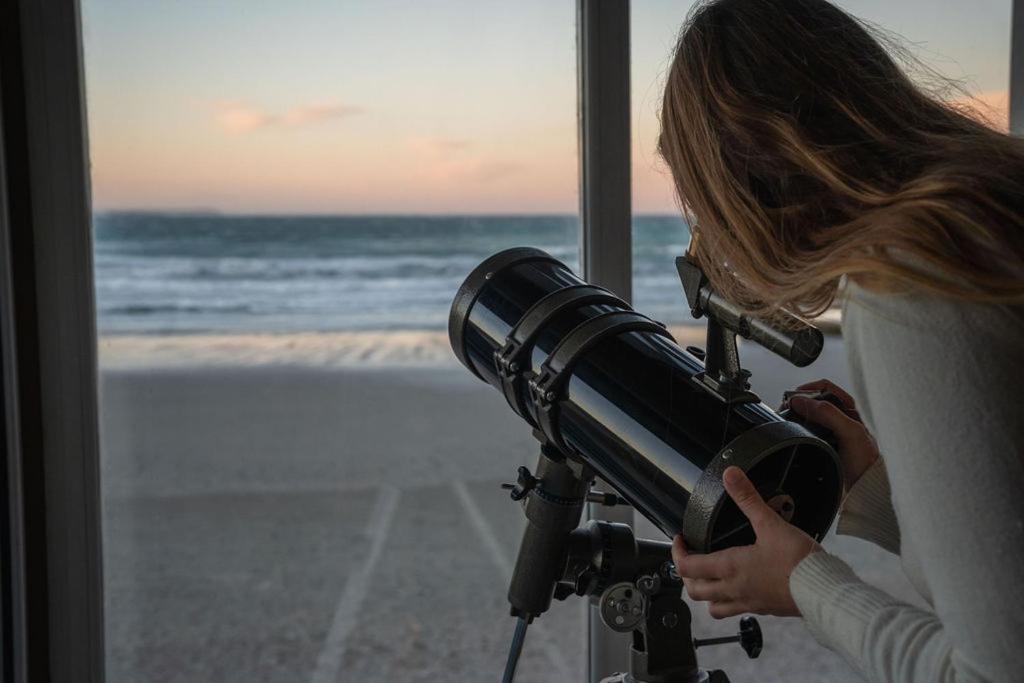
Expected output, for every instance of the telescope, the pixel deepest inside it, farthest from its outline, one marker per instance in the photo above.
(610, 395)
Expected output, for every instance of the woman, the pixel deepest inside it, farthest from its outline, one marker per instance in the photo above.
(804, 159)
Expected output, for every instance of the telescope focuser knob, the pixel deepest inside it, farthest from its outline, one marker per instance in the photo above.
(749, 638)
(525, 483)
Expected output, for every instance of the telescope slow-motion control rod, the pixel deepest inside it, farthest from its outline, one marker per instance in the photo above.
(609, 393)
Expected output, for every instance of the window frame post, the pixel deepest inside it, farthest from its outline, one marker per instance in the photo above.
(1016, 113)
(603, 88)
(52, 617)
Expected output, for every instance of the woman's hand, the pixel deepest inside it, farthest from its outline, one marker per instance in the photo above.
(857, 448)
(752, 578)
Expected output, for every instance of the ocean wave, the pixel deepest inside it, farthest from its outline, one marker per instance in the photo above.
(206, 273)
(366, 267)
(155, 309)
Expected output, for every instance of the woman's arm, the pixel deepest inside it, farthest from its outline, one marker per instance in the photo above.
(942, 384)
(867, 511)
(881, 637)
(949, 419)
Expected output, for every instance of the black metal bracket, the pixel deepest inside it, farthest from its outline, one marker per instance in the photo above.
(512, 359)
(722, 377)
(546, 388)
(473, 286)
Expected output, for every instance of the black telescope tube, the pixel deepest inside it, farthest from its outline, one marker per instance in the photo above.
(628, 406)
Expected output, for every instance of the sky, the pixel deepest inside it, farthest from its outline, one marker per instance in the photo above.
(411, 106)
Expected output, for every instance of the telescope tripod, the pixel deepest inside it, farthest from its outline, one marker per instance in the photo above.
(633, 581)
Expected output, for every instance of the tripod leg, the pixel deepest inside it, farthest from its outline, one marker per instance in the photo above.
(515, 650)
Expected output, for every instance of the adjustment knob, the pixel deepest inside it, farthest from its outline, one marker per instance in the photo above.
(525, 483)
(751, 639)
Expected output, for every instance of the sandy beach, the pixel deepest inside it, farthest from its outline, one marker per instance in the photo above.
(309, 508)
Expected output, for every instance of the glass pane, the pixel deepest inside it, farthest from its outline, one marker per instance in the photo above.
(300, 483)
(969, 42)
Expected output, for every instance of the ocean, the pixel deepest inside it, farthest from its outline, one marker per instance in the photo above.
(176, 273)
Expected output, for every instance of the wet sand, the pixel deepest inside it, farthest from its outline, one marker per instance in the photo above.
(324, 521)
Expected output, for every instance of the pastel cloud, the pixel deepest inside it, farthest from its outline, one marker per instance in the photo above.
(426, 145)
(445, 160)
(452, 144)
(489, 171)
(240, 117)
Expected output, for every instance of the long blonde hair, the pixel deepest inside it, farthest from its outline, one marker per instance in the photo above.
(804, 153)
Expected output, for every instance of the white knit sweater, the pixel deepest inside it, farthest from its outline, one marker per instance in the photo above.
(940, 385)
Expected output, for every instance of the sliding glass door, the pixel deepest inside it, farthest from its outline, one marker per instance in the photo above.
(299, 481)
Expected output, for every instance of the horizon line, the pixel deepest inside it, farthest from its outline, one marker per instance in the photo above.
(360, 214)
